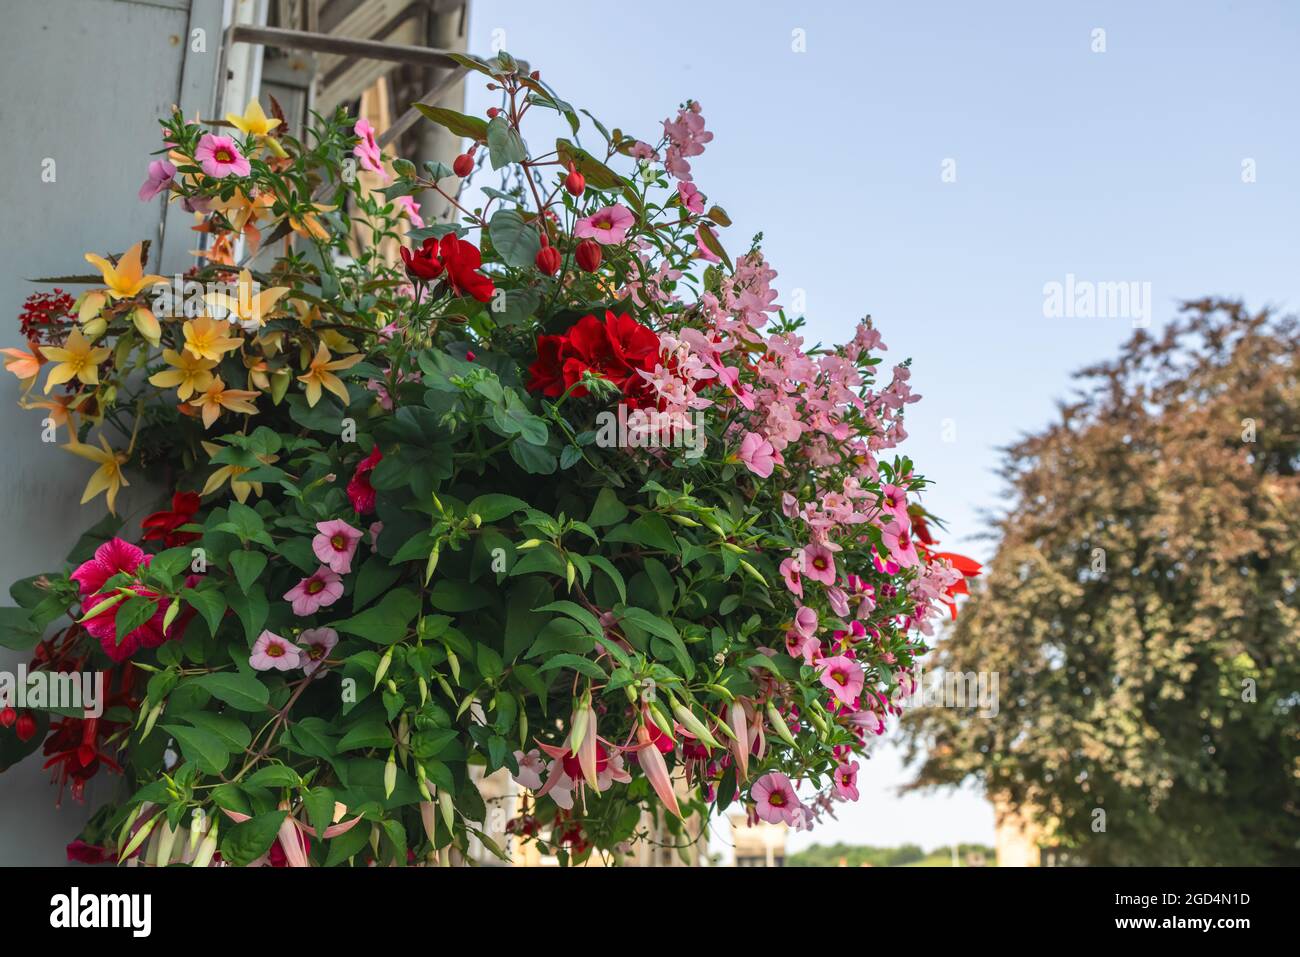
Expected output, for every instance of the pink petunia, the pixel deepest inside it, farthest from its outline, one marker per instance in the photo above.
(774, 798)
(319, 590)
(805, 621)
(606, 226)
(757, 454)
(843, 676)
(901, 547)
(220, 157)
(159, 179)
(819, 563)
(314, 646)
(846, 781)
(336, 544)
(272, 651)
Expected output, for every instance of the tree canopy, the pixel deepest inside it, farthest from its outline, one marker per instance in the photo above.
(1141, 609)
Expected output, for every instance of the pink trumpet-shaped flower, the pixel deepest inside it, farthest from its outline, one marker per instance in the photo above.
(656, 771)
(272, 651)
(846, 780)
(336, 544)
(319, 590)
(774, 799)
(843, 676)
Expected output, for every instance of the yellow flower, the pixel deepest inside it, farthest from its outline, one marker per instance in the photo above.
(76, 359)
(254, 120)
(232, 473)
(245, 307)
(189, 374)
(217, 397)
(25, 365)
(108, 477)
(204, 338)
(127, 278)
(321, 373)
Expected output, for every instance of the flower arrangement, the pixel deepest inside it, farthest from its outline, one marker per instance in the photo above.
(561, 490)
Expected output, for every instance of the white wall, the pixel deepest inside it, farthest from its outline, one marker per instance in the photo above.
(83, 82)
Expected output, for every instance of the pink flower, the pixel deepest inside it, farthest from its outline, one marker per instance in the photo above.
(405, 204)
(801, 646)
(531, 766)
(375, 530)
(320, 590)
(690, 196)
(774, 798)
(805, 621)
(315, 645)
(159, 179)
(272, 651)
(111, 558)
(819, 564)
(219, 157)
(703, 251)
(367, 151)
(335, 544)
(360, 492)
(607, 226)
(757, 454)
(894, 502)
(116, 557)
(900, 545)
(846, 781)
(793, 579)
(843, 676)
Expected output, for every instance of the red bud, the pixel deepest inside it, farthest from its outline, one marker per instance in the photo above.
(588, 255)
(25, 727)
(463, 165)
(548, 260)
(7, 718)
(492, 112)
(575, 182)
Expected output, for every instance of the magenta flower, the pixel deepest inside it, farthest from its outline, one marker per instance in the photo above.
(219, 156)
(843, 676)
(272, 651)
(335, 544)
(846, 781)
(757, 454)
(607, 226)
(314, 646)
(819, 563)
(774, 798)
(159, 179)
(320, 590)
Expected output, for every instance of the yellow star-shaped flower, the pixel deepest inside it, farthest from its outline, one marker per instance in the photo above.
(254, 122)
(127, 278)
(108, 477)
(189, 373)
(76, 358)
(205, 338)
(320, 373)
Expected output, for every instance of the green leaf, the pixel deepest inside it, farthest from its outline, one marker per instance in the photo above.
(583, 666)
(250, 606)
(578, 614)
(373, 580)
(522, 623)
(493, 506)
(608, 510)
(371, 732)
(660, 628)
(457, 596)
(273, 776)
(320, 808)
(208, 602)
(504, 144)
(233, 732)
(469, 126)
(606, 566)
(201, 746)
(595, 172)
(533, 458)
(248, 840)
(243, 692)
(16, 629)
(385, 622)
(516, 241)
(248, 566)
(133, 613)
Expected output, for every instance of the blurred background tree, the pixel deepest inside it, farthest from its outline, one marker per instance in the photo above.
(1142, 608)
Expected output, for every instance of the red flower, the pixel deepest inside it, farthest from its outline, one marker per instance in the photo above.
(360, 492)
(112, 558)
(463, 261)
(617, 349)
(162, 526)
(588, 255)
(423, 264)
(82, 853)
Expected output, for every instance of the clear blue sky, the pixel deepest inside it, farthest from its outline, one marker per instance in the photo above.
(1117, 166)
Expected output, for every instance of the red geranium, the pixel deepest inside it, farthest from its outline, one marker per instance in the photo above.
(360, 492)
(453, 258)
(162, 526)
(617, 349)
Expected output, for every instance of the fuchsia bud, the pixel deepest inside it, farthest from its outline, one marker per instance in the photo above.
(588, 255)
(575, 182)
(25, 727)
(463, 164)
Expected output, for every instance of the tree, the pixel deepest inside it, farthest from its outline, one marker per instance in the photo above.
(1142, 608)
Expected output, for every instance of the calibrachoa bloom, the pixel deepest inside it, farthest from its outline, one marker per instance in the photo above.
(272, 651)
(220, 157)
(319, 590)
(629, 537)
(335, 544)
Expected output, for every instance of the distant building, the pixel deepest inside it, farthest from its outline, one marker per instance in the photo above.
(759, 845)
